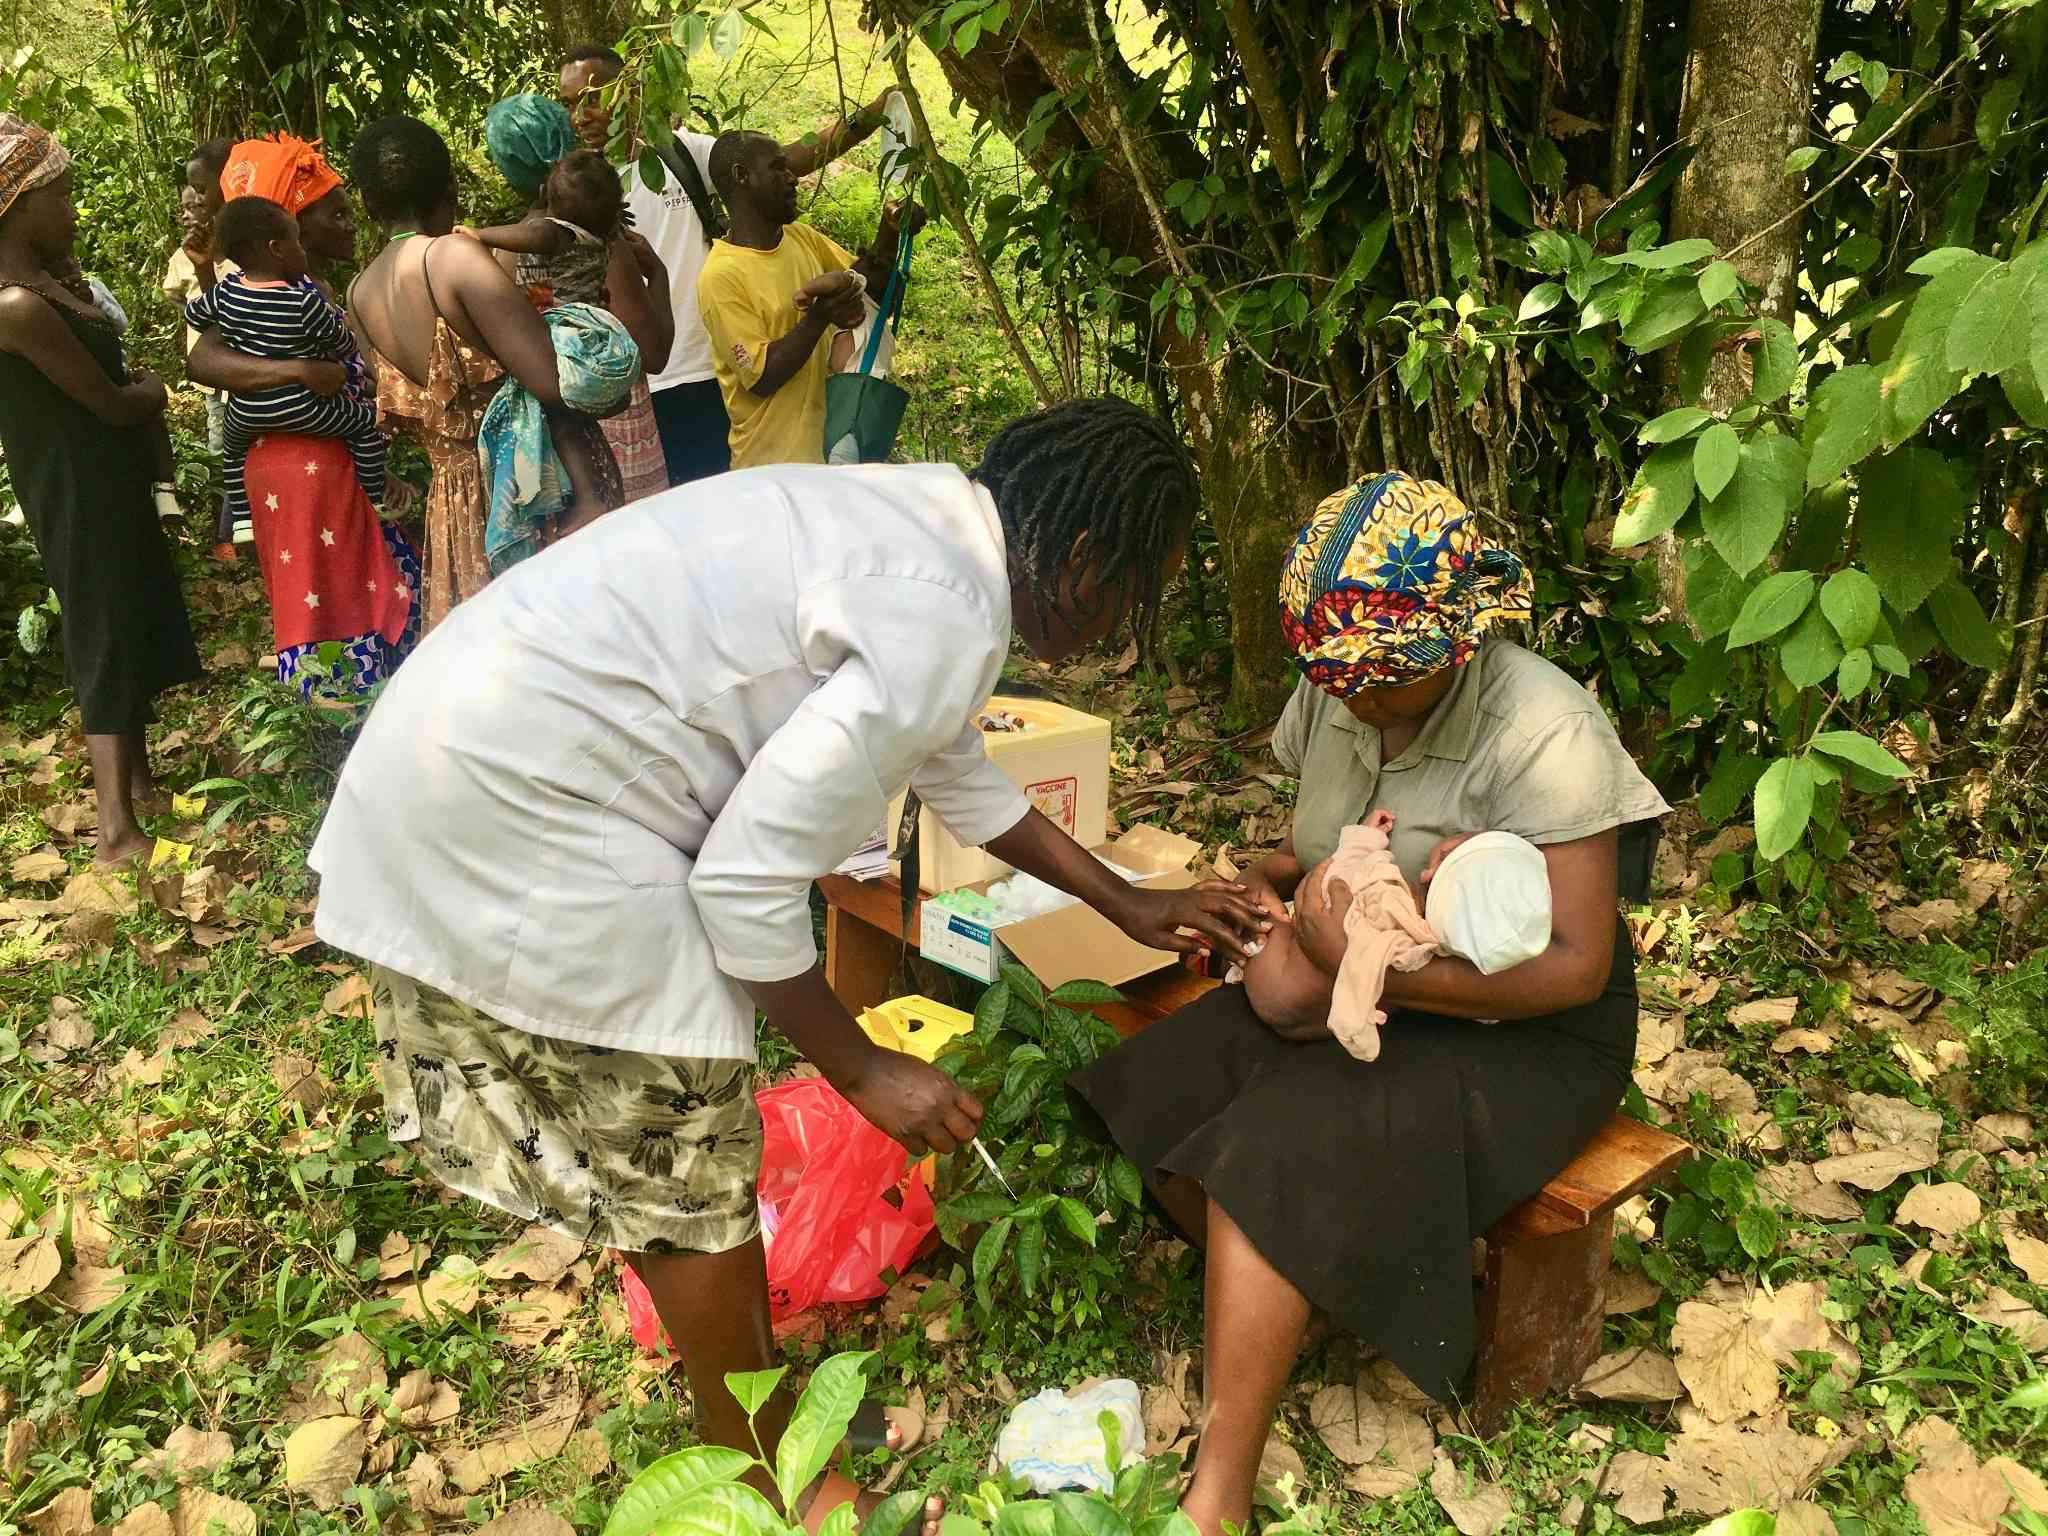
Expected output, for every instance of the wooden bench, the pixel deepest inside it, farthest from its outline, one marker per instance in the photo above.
(1543, 1288)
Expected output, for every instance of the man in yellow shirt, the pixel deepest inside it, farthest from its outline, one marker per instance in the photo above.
(770, 354)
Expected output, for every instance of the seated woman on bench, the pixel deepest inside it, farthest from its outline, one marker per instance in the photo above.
(1315, 1179)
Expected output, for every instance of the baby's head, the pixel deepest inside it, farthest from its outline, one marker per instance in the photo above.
(258, 236)
(1489, 901)
(584, 189)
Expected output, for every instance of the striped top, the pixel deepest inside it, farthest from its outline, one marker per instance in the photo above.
(277, 319)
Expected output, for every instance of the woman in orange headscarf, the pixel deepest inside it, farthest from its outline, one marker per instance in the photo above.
(335, 573)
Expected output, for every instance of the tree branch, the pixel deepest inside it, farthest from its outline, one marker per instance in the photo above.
(1631, 40)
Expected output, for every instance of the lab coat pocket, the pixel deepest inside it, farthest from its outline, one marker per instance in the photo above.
(638, 852)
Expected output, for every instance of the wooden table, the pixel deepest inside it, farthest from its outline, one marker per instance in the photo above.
(864, 944)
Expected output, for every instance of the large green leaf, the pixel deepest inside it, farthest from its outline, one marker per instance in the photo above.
(1030, 1517)
(669, 1483)
(1851, 602)
(1907, 515)
(1734, 776)
(1810, 653)
(1853, 676)
(1718, 282)
(1659, 498)
(819, 1423)
(1076, 1218)
(1085, 992)
(1714, 594)
(753, 1388)
(1964, 629)
(1663, 257)
(1030, 1253)
(1817, 535)
(2024, 393)
(1087, 1514)
(1673, 425)
(1916, 380)
(1671, 305)
(1776, 604)
(892, 1516)
(1854, 747)
(1742, 1522)
(842, 1521)
(991, 1011)
(1784, 805)
(1715, 454)
(1743, 523)
(1694, 690)
(1993, 323)
(1774, 366)
(725, 1509)
(1844, 422)
(988, 1253)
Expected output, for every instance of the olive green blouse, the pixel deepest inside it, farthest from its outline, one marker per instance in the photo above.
(1515, 746)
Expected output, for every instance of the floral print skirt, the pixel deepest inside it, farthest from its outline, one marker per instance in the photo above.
(647, 1154)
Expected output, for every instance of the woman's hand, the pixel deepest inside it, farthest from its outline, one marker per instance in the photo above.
(147, 393)
(1222, 915)
(401, 498)
(322, 377)
(1257, 882)
(1319, 922)
(912, 1102)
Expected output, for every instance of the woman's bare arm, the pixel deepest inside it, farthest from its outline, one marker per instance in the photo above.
(1570, 973)
(491, 308)
(217, 365)
(31, 328)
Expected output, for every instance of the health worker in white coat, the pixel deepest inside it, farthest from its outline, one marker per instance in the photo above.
(577, 835)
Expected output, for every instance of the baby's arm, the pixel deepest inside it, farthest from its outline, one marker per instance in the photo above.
(1287, 990)
(529, 237)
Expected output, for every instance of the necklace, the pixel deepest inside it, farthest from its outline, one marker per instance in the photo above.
(404, 234)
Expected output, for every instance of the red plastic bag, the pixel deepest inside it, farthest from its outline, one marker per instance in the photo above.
(840, 1204)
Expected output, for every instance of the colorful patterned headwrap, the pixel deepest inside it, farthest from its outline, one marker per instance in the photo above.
(290, 172)
(525, 136)
(30, 157)
(1389, 583)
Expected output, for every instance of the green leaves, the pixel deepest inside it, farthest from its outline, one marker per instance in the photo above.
(988, 1253)
(1085, 993)
(1854, 747)
(1853, 676)
(1030, 1252)
(1713, 592)
(1663, 257)
(1667, 309)
(1778, 601)
(1719, 282)
(1811, 652)
(819, 1423)
(1659, 497)
(1774, 366)
(1851, 603)
(1907, 516)
(750, 1389)
(671, 1482)
(1784, 805)
(1993, 324)
(1714, 457)
(1744, 522)
(1963, 627)
(1844, 422)
(1673, 425)
(1540, 301)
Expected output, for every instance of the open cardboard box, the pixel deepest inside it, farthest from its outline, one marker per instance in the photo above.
(1072, 944)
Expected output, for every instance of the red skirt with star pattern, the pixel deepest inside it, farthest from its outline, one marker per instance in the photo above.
(326, 566)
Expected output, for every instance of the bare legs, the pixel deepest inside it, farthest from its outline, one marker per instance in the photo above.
(120, 777)
(715, 1307)
(1252, 1327)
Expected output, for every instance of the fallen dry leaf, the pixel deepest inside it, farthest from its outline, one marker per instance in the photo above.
(40, 867)
(1817, 1042)
(1943, 1208)
(189, 1455)
(341, 1378)
(67, 1028)
(456, 1286)
(1723, 1361)
(2028, 1490)
(2002, 1309)
(2029, 1254)
(1630, 1290)
(16, 1448)
(420, 1402)
(1278, 1463)
(1797, 1188)
(1687, 1072)
(1991, 1134)
(93, 890)
(539, 1254)
(96, 1383)
(1952, 1494)
(222, 1351)
(1350, 1421)
(147, 1519)
(27, 1265)
(1983, 881)
(398, 1255)
(68, 1514)
(1639, 1375)
(529, 1319)
(1773, 1011)
(1402, 1462)
(1761, 1463)
(88, 1287)
(350, 997)
(536, 1440)
(1641, 1490)
(529, 1517)
(299, 1081)
(187, 1029)
(1657, 1036)
(1927, 917)
(1476, 1507)
(322, 1458)
(426, 1488)
(203, 1513)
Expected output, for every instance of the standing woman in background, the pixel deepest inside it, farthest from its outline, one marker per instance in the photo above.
(75, 425)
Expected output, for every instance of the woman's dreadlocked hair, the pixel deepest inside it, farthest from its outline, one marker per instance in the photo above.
(1102, 472)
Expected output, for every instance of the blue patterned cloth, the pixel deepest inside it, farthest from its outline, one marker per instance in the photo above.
(596, 363)
(365, 660)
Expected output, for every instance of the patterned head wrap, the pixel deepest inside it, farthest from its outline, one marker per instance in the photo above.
(1389, 583)
(290, 172)
(30, 157)
(525, 136)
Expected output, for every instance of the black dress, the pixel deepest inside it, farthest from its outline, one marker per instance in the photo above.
(1364, 1183)
(84, 487)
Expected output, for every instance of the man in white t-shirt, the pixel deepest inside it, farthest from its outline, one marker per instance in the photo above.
(680, 221)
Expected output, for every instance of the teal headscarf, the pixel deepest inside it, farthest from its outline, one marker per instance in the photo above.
(525, 136)
(596, 363)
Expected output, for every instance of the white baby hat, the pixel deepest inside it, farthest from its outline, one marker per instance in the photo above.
(1490, 901)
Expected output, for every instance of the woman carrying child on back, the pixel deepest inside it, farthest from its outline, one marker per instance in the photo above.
(271, 308)
(576, 246)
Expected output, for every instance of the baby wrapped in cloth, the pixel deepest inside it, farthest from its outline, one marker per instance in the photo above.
(1488, 903)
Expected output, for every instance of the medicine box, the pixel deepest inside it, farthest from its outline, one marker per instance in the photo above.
(1061, 762)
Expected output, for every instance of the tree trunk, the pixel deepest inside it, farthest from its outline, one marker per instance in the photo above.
(1748, 90)
(573, 23)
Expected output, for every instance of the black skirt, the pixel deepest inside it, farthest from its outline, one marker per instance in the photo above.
(1365, 1183)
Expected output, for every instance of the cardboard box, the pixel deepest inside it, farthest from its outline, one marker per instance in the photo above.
(956, 928)
(1061, 764)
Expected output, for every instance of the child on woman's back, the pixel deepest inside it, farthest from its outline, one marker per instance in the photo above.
(271, 308)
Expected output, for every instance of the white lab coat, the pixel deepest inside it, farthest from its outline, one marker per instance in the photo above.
(594, 799)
